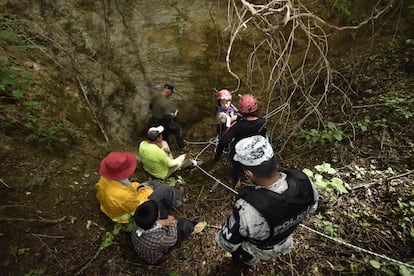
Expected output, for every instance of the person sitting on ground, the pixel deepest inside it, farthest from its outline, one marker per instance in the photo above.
(156, 157)
(266, 214)
(153, 237)
(119, 197)
(226, 114)
(250, 124)
(164, 113)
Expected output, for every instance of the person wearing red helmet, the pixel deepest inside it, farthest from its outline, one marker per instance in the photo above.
(249, 124)
(226, 114)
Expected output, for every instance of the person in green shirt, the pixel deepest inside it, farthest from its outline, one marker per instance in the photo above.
(164, 113)
(156, 157)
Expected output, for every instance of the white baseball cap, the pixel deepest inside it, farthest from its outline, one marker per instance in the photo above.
(253, 151)
(154, 132)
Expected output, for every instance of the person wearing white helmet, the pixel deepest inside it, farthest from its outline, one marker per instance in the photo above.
(248, 125)
(266, 214)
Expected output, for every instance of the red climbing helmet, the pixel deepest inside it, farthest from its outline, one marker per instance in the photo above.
(248, 104)
(224, 94)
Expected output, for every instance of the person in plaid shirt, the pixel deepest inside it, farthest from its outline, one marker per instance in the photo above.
(153, 238)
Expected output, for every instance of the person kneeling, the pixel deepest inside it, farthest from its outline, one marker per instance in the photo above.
(156, 157)
(153, 237)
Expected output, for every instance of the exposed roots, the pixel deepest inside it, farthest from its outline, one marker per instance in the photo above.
(289, 59)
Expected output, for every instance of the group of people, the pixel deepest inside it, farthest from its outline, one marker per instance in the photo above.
(265, 214)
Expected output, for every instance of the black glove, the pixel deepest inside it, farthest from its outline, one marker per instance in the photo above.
(240, 256)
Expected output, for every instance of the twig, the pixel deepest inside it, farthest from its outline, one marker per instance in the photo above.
(49, 250)
(91, 109)
(400, 175)
(199, 195)
(4, 183)
(89, 262)
(213, 226)
(48, 236)
(366, 185)
(34, 220)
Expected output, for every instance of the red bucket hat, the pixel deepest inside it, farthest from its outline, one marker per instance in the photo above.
(118, 165)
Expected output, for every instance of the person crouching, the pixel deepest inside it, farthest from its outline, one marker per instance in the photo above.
(153, 238)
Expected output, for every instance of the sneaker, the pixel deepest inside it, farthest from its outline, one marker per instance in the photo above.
(199, 227)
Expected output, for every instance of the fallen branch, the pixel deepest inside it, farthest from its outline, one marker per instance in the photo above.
(48, 236)
(400, 175)
(4, 183)
(49, 250)
(34, 220)
(365, 185)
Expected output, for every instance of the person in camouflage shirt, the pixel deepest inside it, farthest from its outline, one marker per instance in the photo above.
(266, 214)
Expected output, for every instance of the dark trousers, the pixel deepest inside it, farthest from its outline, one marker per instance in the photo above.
(171, 127)
(165, 196)
(184, 229)
(236, 169)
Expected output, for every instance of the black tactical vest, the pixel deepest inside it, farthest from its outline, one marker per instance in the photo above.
(283, 212)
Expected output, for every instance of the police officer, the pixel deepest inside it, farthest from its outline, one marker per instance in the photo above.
(164, 113)
(266, 214)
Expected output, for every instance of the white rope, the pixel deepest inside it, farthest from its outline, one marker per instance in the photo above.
(211, 141)
(216, 179)
(276, 110)
(357, 248)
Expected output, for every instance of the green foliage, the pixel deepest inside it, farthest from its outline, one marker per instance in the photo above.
(323, 183)
(109, 236)
(175, 272)
(411, 8)
(330, 134)
(21, 111)
(405, 212)
(15, 251)
(343, 8)
(382, 267)
(398, 104)
(367, 124)
(36, 272)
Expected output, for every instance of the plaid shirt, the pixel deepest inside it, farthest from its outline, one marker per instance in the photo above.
(154, 243)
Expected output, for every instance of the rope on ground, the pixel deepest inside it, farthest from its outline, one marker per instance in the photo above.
(357, 248)
(317, 232)
(216, 179)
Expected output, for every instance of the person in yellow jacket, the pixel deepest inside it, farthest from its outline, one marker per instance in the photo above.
(119, 197)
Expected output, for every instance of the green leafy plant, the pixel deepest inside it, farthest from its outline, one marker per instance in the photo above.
(107, 242)
(343, 8)
(405, 211)
(36, 272)
(15, 251)
(21, 110)
(402, 269)
(315, 137)
(323, 183)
